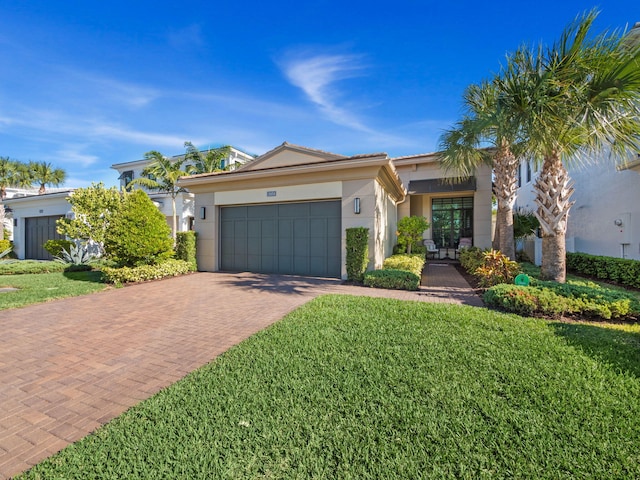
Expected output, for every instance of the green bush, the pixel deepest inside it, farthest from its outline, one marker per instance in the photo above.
(55, 247)
(357, 253)
(621, 270)
(138, 234)
(168, 268)
(471, 259)
(585, 299)
(413, 263)
(21, 267)
(496, 268)
(186, 248)
(5, 245)
(410, 230)
(392, 279)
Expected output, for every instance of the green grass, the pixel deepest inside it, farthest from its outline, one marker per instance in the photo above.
(47, 286)
(357, 388)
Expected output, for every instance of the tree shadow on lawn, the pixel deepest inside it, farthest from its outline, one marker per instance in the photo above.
(617, 348)
(93, 276)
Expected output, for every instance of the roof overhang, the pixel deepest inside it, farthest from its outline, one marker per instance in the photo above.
(441, 185)
(377, 166)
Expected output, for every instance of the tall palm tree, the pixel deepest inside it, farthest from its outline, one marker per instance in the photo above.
(210, 162)
(162, 174)
(487, 122)
(576, 100)
(43, 174)
(13, 174)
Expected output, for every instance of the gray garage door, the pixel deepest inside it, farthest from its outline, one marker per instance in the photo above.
(37, 231)
(287, 238)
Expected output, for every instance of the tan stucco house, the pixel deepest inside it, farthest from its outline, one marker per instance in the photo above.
(287, 211)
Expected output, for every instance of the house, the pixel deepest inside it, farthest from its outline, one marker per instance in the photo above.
(184, 201)
(287, 211)
(34, 220)
(605, 219)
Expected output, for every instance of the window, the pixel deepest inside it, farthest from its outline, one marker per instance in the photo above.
(452, 218)
(528, 171)
(519, 175)
(126, 177)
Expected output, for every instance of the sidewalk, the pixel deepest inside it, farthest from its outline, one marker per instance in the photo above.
(69, 366)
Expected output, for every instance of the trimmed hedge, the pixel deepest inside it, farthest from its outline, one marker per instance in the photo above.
(392, 279)
(186, 248)
(572, 298)
(22, 267)
(357, 253)
(168, 268)
(620, 270)
(413, 263)
(55, 247)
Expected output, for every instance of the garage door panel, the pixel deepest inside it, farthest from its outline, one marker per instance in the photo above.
(296, 238)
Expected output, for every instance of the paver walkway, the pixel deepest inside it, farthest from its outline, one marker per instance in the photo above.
(69, 366)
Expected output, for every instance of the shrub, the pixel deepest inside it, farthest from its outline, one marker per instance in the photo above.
(413, 263)
(554, 299)
(186, 248)
(410, 230)
(19, 267)
(496, 268)
(621, 270)
(138, 234)
(357, 253)
(5, 248)
(55, 247)
(471, 259)
(168, 268)
(392, 279)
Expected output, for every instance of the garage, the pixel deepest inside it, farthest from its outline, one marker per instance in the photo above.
(37, 231)
(287, 238)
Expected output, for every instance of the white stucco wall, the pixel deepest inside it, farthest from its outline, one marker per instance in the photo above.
(602, 195)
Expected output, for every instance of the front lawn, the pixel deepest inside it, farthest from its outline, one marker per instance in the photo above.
(47, 286)
(354, 387)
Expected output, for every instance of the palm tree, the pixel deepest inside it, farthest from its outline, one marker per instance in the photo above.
(576, 100)
(210, 162)
(487, 122)
(162, 174)
(43, 174)
(13, 174)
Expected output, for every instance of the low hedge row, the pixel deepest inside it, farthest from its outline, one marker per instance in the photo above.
(20, 267)
(620, 270)
(413, 263)
(392, 279)
(553, 299)
(168, 268)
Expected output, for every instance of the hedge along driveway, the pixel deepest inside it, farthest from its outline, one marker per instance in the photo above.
(68, 366)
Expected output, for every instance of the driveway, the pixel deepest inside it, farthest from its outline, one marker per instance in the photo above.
(69, 366)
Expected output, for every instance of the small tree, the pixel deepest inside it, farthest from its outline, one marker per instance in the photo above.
(93, 207)
(410, 230)
(138, 234)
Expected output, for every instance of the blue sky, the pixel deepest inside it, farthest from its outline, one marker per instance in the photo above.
(88, 84)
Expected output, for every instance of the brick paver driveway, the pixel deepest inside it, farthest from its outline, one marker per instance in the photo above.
(69, 366)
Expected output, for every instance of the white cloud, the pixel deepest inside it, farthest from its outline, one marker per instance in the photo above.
(317, 74)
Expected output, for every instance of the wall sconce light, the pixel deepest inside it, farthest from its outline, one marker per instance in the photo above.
(203, 213)
(356, 205)
(617, 222)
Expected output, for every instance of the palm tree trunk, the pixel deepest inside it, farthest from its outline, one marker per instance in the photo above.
(175, 220)
(553, 190)
(505, 170)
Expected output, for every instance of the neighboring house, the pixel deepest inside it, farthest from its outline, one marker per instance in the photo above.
(605, 219)
(287, 211)
(34, 220)
(184, 201)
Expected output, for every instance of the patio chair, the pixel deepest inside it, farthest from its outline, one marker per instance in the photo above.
(431, 248)
(465, 242)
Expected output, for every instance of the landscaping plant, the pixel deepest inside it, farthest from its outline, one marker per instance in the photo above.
(410, 230)
(357, 253)
(496, 268)
(138, 234)
(186, 248)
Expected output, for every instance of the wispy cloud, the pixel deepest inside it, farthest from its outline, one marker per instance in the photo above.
(317, 75)
(187, 37)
